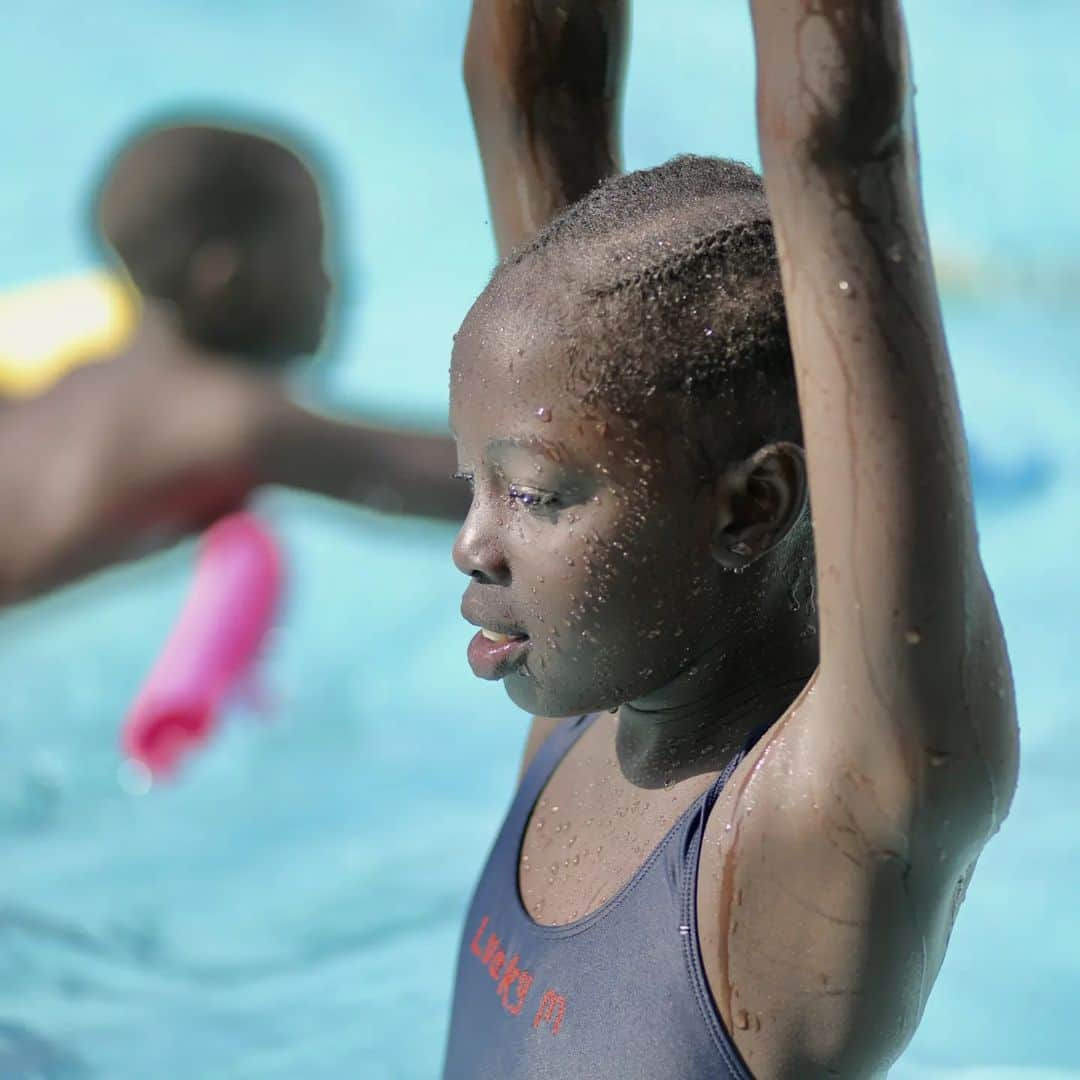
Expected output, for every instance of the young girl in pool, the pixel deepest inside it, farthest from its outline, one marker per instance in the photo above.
(744, 852)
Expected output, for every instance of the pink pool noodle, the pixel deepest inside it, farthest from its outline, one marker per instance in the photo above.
(228, 612)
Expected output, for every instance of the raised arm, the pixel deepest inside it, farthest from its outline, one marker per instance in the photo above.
(545, 81)
(875, 794)
(906, 614)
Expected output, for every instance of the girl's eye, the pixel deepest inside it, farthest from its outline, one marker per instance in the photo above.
(532, 497)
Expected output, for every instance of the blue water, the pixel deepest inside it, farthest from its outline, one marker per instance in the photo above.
(291, 908)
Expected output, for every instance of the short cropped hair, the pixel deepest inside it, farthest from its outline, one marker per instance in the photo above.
(676, 292)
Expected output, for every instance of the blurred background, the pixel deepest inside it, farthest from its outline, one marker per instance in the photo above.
(292, 906)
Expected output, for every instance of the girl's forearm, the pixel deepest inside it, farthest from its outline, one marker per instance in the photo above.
(545, 82)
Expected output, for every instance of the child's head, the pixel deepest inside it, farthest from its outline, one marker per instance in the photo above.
(624, 402)
(227, 226)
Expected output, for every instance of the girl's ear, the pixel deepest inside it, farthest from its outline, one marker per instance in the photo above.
(760, 501)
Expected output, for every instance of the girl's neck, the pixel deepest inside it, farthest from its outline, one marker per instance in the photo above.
(701, 719)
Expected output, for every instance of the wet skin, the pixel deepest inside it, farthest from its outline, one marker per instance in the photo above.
(594, 535)
(835, 859)
(545, 81)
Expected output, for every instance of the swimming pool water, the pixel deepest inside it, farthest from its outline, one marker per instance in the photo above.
(291, 908)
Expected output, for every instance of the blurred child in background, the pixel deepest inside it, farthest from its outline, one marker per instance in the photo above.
(222, 234)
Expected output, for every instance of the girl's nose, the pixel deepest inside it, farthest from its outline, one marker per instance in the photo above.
(478, 550)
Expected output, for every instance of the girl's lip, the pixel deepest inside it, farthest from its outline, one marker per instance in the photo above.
(494, 659)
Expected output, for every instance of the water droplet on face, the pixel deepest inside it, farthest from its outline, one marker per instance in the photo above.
(543, 414)
(847, 289)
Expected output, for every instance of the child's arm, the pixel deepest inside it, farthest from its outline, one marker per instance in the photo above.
(545, 81)
(874, 796)
(105, 489)
(398, 471)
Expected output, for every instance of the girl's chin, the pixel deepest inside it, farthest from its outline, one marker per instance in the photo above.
(521, 689)
(535, 698)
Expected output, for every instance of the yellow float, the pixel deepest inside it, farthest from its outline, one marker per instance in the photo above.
(49, 327)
